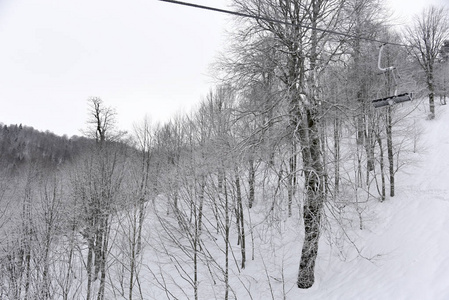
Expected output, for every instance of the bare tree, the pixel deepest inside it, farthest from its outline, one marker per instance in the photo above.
(304, 53)
(97, 183)
(425, 38)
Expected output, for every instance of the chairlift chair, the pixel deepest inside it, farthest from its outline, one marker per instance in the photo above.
(395, 99)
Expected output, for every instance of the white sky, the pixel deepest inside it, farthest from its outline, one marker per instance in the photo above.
(404, 10)
(142, 57)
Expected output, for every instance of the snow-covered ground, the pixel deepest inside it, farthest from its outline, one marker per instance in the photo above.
(407, 244)
(401, 253)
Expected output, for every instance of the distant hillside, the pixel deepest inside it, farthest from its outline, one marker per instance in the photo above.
(20, 145)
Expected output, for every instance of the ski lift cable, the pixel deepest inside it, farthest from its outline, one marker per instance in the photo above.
(387, 101)
(258, 17)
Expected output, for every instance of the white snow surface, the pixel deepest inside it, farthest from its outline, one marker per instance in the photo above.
(408, 238)
(402, 252)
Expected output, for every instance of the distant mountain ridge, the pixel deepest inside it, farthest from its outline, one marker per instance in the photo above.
(20, 145)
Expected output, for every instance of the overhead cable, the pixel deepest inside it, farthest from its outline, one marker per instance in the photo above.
(258, 17)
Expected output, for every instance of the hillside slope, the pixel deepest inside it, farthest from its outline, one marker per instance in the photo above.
(408, 242)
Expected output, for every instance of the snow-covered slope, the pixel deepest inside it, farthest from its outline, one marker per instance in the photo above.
(408, 242)
(402, 252)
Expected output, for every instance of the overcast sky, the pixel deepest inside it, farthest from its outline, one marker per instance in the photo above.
(142, 57)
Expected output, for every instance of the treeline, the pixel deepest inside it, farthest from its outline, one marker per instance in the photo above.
(181, 209)
(22, 145)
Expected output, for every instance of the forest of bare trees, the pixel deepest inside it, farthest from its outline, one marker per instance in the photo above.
(286, 150)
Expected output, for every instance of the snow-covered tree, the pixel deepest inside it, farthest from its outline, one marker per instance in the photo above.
(425, 38)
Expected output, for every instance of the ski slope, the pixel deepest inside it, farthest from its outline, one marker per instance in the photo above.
(407, 245)
(402, 252)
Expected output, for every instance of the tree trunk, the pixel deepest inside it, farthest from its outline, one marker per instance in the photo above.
(313, 202)
(431, 87)
(196, 246)
(27, 232)
(369, 148)
(251, 181)
(291, 178)
(140, 225)
(336, 155)
(103, 258)
(309, 136)
(240, 219)
(200, 208)
(134, 251)
(89, 265)
(226, 229)
(382, 174)
(390, 150)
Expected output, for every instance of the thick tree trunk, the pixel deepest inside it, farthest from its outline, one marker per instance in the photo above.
(309, 135)
(432, 105)
(313, 203)
(312, 217)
